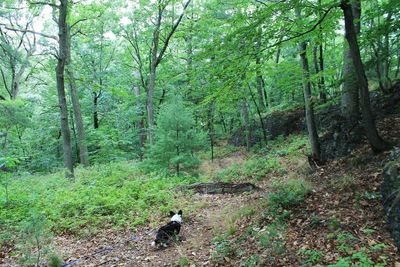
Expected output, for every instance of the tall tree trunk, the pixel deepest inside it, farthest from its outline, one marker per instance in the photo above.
(386, 54)
(350, 88)
(322, 92)
(96, 123)
(310, 117)
(150, 105)
(246, 122)
(81, 136)
(321, 78)
(371, 132)
(177, 149)
(264, 130)
(140, 122)
(210, 124)
(398, 61)
(259, 79)
(61, 60)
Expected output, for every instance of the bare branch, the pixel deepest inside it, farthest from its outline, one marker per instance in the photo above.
(43, 3)
(29, 31)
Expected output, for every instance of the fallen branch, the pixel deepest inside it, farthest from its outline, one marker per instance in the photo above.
(221, 188)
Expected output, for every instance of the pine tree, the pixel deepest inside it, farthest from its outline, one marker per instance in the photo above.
(176, 138)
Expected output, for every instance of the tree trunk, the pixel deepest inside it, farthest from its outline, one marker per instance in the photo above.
(150, 105)
(246, 122)
(386, 54)
(221, 188)
(398, 61)
(95, 113)
(264, 131)
(259, 79)
(350, 87)
(321, 78)
(61, 60)
(140, 122)
(210, 124)
(310, 117)
(322, 92)
(81, 136)
(177, 149)
(371, 132)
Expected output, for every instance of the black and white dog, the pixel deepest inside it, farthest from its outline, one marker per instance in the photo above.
(168, 231)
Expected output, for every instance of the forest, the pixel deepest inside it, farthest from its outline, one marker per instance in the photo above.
(274, 125)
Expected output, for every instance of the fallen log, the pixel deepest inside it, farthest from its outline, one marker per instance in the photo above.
(221, 188)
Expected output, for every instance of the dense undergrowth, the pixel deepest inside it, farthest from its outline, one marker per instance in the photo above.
(122, 195)
(103, 196)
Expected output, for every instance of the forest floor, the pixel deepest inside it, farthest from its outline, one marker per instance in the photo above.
(339, 223)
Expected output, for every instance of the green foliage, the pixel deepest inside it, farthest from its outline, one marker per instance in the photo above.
(271, 236)
(348, 245)
(252, 261)
(311, 256)
(288, 194)
(184, 261)
(7, 163)
(54, 261)
(289, 146)
(176, 139)
(108, 195)
(223, 249)
(255, 168)
(344, 182)
(34, 238)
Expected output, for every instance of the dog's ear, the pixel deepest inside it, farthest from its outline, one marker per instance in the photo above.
(180, 212)
(171, 213)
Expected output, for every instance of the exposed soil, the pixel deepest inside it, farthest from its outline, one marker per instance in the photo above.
(133, 248)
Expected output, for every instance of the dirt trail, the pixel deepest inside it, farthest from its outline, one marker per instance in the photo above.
(133, 249)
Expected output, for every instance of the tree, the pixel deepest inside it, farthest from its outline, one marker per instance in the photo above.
(376, 142)
(62, 57)
(350, 87)
(176, 139)
(310, 117)
(158, 48)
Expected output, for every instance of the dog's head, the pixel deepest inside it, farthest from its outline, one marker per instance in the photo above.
(176, 217)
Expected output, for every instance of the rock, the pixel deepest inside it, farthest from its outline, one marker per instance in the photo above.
(390, 190)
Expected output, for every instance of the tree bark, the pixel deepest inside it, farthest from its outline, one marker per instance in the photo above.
(210, 126)
(155, 58)
(376, 142)
(259, 79)
(81, 136)
(264, 130)
(310, 117)
(246, 122)
(61, 60)
(96, 123)
(140, 122)
(386, 54)
(350, 88)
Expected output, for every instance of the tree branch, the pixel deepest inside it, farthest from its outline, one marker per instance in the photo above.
(43, 3)
(29, 31)
(302, 33)
(5, 82)
(160, 56)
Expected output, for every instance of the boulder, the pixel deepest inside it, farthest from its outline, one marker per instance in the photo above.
(390, 189)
